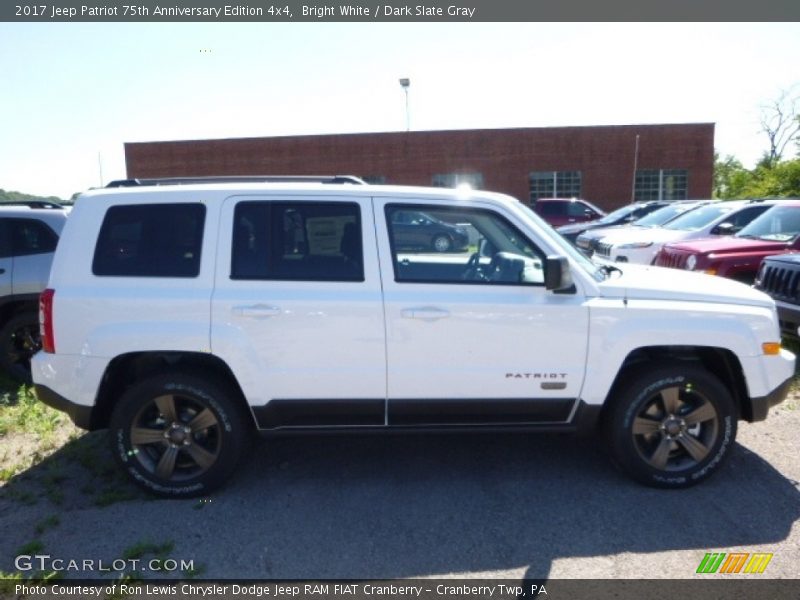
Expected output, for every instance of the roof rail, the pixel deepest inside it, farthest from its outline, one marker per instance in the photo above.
(336, 179)
(47, 204)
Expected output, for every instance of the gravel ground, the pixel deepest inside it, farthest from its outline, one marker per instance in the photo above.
(419, 506)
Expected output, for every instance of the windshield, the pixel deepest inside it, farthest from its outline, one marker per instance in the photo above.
(617, 215)
(566, 247)
(662, 215)
(779, 224)
(697, 219)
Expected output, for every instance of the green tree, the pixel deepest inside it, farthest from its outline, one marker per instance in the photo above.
(9, 196)
(731, 179)
(781, 179)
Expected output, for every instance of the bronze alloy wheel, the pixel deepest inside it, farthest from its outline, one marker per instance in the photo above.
(175, 437)
(676, 428)
(179, 433)
(671, 424)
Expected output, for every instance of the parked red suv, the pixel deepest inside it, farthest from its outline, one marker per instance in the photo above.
(562, 211)
(739, 257)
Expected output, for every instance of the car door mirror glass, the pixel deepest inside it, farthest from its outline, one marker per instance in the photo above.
(557, 275)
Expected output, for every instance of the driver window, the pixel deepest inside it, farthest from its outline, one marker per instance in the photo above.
(432, 244)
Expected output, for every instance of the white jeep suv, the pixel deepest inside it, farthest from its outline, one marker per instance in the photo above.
(185, 317)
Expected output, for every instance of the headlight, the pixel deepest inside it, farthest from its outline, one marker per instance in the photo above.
(691, 262)
(634, 245)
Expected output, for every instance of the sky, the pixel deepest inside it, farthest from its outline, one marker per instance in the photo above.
(71, 94)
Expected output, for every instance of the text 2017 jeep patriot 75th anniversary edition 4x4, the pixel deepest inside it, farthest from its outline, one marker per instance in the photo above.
(185, 317)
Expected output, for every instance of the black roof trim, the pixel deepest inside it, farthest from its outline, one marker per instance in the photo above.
(45, 204)
(335, 179)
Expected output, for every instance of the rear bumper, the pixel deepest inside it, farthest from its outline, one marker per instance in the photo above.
(759, 407)
(81, 415)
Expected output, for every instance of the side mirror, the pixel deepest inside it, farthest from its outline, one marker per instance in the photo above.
(724, 229)
(556, 274)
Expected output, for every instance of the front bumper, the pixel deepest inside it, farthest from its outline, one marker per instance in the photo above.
(759, 407)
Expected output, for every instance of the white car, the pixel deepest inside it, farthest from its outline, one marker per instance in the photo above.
(641, 246)
(183, 318)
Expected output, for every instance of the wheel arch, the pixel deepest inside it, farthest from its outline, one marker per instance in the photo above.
(127, 369)
(721, 362)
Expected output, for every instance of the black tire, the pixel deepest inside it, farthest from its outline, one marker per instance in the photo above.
(20, 341)
(179, 435)
(442, 243)
(671, 426)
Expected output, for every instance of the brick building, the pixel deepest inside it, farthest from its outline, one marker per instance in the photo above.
(596, 163)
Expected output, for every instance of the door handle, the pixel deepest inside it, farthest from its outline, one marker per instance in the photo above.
(2, 271)
(424, 314)
(257, 311)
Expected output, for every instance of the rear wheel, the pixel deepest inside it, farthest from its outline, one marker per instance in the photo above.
(671, 427)
(20, 341)
(179, 435)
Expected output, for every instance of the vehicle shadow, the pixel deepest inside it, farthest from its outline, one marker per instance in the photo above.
(404, 506)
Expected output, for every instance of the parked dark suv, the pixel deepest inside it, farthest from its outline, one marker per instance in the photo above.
(779, 276)
(415, 229)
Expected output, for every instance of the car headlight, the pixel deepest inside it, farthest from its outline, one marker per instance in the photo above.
(691, 262)
(634, 245)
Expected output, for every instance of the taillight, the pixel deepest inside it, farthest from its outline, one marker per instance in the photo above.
(46, 321)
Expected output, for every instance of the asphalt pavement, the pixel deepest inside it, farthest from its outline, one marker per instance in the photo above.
(403, 506)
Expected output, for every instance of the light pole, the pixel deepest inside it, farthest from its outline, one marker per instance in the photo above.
(405, 82)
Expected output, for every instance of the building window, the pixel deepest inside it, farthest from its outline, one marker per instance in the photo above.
(661, 184)
(555, 184)
(374, 179)
(452, 180)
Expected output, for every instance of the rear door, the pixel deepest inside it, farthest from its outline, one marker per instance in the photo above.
(33, 244)
(297, 309)
(6, 260)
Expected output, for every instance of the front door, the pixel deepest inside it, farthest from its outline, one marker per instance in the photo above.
(473, 336)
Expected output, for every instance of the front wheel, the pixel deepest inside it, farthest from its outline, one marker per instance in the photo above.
(671, 427)
(178, 435)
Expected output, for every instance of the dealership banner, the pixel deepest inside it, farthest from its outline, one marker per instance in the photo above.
(396, 10)
(402, 589)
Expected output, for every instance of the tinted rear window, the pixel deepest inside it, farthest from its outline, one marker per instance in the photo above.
(302, 241)
(150, 240)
